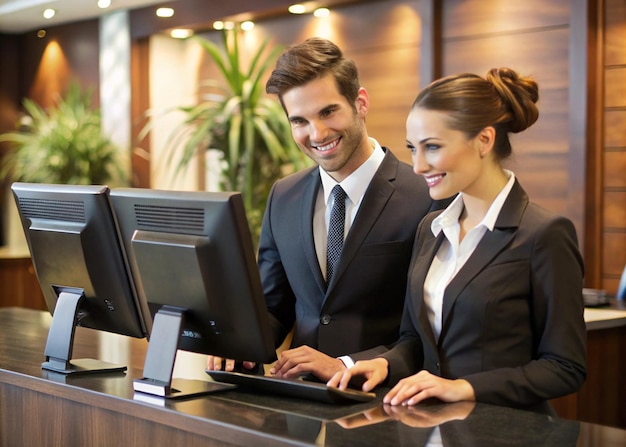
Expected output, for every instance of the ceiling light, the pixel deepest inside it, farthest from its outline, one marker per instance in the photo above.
(218, 25)
(181, 33)
(104, 4)
(49, 13)
(229, 25)
(321, 12)
(297, 9)
(247, 25)
(165, 12)
(41, 33)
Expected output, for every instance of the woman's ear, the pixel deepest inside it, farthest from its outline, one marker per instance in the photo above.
(486, 139)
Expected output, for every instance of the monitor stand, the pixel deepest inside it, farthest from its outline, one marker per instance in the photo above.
(61, 340)
(159, 365)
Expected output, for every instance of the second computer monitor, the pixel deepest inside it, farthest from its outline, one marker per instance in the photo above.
(192, 258)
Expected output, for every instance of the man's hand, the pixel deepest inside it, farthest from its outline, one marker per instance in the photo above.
(374, 371)
(304, 359)
(215, 363)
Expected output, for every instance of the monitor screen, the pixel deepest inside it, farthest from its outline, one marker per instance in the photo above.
(193, 261)
(82, 269)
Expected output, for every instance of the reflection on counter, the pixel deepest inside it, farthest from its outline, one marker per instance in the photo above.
(466, 424)
(430, 424)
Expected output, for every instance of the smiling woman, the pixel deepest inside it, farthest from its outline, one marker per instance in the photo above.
(490, 270)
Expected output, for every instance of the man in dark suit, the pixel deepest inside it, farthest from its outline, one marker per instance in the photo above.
(357, 312)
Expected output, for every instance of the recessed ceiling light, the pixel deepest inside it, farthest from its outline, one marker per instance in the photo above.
(218, 25)
(321, 12)
(165, 12)
(49, 13)
(181, 33)
(297, 9)
(247, 25)
(104, 4)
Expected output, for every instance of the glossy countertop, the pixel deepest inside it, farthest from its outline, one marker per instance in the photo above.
(271, 420)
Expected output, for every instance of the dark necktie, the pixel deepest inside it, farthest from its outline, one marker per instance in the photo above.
(336, 228)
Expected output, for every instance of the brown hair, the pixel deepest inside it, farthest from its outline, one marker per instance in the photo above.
(312, 59)
(502, 99)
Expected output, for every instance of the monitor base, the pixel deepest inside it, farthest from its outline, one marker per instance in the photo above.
(82, 366)
(179, 388)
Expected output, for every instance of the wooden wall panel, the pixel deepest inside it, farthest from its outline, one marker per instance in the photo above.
(541, 153)
(615, 168)
(391, 95)
(615, 86)
(18, 283)
(614, 255)
(544, 177)
(614, 33)
(140, 102)
(465, 18)
(614, 141)
(615, 208)
(526, 52)
(68, 52)
(615, 128)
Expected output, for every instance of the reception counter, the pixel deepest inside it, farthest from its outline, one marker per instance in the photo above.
(602, 398)
(39, 408)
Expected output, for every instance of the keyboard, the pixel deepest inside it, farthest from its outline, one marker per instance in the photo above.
(295, 388)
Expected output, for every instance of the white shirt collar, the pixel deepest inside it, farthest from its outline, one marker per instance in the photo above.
(356, 183)
(450, 216)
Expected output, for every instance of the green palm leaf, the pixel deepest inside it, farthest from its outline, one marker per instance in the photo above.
(235, 117)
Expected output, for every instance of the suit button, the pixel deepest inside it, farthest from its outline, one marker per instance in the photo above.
(325, 319)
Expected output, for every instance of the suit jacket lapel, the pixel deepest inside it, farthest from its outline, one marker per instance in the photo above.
(418, 274)
(309, 198)
(492, 243)
(374, 201)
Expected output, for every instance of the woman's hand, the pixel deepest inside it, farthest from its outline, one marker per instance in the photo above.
(375, 371)
(423, 385)
(423, 416)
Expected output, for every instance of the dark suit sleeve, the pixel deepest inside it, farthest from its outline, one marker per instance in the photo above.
(279, 296)
(558, 327)
(406, 357)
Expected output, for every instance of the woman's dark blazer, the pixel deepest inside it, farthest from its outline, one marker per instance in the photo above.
(362, 307)
(513, 316)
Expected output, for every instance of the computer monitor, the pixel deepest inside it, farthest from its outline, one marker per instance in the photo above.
(193, 261)
(84, 275)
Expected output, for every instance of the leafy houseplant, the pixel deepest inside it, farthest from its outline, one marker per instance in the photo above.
(63, 144)
(246, 126)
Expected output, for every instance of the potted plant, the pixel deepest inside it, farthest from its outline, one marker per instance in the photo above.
(63, 144)
(247, 127)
